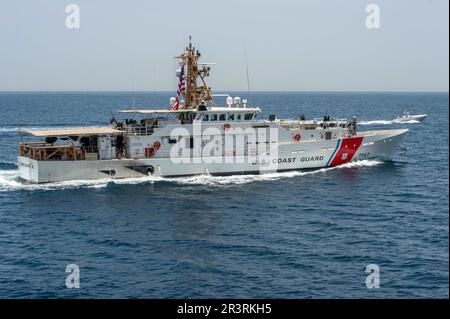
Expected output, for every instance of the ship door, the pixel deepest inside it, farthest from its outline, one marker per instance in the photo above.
(262, 141)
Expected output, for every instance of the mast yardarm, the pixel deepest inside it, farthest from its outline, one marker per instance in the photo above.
(196, 89)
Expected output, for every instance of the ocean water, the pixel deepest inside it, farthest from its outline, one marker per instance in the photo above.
(284, 235)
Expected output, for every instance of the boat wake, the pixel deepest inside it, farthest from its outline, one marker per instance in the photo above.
(9, 179)
(386, 122)
(244, 179)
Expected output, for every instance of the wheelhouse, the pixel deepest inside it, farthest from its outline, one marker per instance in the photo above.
(145, 122)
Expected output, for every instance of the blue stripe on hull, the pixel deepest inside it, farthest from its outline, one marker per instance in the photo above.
(334, 152)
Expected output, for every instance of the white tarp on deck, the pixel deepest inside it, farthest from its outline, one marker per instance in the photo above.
(75, 132)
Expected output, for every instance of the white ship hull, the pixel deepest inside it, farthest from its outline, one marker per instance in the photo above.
(313, 154)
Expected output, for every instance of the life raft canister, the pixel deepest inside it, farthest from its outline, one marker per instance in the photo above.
(297, 137)
(151, 151)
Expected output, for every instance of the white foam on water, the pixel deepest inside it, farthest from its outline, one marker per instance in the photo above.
(9, 179)
(406, 122)
(9, 182)
(244, 179)
(9, 163)
(387, 122)
(377, 122)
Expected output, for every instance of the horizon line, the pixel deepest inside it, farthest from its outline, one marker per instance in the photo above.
(243, 91)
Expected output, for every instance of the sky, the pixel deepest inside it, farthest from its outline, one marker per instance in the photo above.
(296, 45)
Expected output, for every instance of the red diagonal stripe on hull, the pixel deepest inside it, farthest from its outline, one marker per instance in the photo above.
(348, 148)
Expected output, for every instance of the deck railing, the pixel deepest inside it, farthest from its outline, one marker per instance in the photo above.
(42, 151)
(145, 128)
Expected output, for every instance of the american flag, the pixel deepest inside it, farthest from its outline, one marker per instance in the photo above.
(180, 90)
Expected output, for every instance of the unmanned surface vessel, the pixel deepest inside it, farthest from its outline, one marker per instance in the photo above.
(407, 117)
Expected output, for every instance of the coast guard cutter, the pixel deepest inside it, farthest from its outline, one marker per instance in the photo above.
(194, 135)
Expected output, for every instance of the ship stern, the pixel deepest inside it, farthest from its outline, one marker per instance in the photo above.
(28, 170)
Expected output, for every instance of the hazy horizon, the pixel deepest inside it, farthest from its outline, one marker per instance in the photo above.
(220, 91)
(288, 46)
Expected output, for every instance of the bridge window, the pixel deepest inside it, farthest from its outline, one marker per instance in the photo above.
(205, 117)
(230, 116)
(238, 117)
(222, 117)
(248, 116)
(213, 117)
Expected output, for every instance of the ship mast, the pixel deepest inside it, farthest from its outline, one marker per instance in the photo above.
(195, 93)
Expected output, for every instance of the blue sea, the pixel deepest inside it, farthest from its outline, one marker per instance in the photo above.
(284, 235)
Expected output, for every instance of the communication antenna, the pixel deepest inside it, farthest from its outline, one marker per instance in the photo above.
(248, 77)
(248, 83)
(20, 133)
(154, 80)
(132, 90)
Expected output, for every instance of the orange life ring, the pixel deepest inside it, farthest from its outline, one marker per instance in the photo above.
(297, 137)
(149, 152)
(226, 126)
(157, 145)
